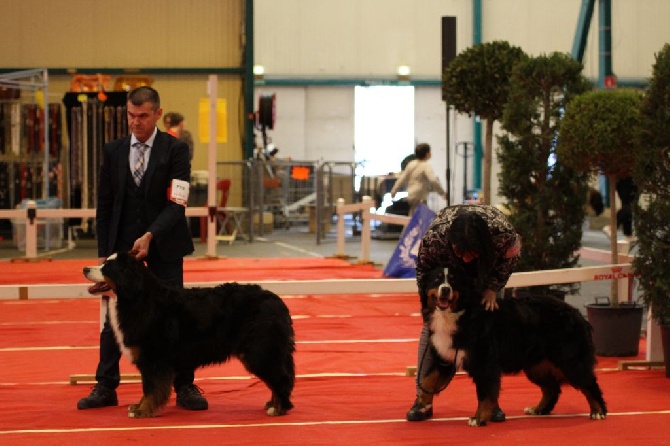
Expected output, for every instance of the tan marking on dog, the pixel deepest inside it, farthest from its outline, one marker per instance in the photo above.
(146, 408)
(483, 414)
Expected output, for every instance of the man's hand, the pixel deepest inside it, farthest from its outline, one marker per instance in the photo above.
(140, 248)
(489, 300)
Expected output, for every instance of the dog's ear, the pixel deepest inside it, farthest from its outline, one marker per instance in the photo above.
(126, 259)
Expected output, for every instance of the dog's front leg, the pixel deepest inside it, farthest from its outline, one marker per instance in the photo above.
(431, 385)
(427, 388)
(146, 408)
(134, 408)
(156, 389)
(488, 390)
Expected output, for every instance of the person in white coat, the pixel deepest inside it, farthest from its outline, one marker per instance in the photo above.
(419, 177)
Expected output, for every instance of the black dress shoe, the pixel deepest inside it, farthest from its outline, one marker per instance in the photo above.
(419, 412)
(190, 397)
(100, 396)
(497, 416)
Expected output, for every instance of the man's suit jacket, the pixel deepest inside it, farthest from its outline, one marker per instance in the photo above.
(168, 160)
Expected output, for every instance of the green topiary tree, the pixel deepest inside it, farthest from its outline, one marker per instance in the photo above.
(599, 134)
(477, 82)
(545, 196)
(652, 176)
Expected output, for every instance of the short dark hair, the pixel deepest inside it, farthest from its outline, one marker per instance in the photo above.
(167, 118)
(176, 119)
(469, 232)
(422, 150)
(143, 94)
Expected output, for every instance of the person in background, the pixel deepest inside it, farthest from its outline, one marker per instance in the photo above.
(627, 191)
(137, 212)
(174, 125)
(419, 178)
(480, 248)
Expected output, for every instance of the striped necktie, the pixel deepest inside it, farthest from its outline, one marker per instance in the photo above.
(138, 169)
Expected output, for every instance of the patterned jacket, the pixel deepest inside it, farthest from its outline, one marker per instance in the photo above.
(435, 250)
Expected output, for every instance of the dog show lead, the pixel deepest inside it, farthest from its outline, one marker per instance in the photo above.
(474, 242)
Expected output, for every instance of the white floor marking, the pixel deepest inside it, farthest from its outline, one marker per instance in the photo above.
(297, 424)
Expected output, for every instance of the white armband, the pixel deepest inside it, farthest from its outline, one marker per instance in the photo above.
(178, 192)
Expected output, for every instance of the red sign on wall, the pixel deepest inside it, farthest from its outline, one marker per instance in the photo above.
(610, 82)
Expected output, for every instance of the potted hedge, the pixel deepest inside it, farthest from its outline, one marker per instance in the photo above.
(544, 194)
(652, 213)
(477, 82)
(599, 134)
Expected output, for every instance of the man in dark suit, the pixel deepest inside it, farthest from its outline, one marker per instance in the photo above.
(139, 211)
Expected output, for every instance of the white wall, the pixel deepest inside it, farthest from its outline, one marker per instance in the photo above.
(311, 39)
(317, 123)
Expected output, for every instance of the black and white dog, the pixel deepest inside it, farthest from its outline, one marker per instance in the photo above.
(546, 338)
(164, 330)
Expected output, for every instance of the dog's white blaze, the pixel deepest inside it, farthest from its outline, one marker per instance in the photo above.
(94, 273)
(443, 326)
(118, 334)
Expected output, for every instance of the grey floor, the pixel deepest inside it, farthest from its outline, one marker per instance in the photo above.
(297, 241)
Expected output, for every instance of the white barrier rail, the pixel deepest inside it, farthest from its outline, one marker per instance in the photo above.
(31, 214)
(366, 218)
(622, 272)
(342, 286)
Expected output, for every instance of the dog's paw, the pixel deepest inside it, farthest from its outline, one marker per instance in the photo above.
(275, 411)
(536, 411)
(598, 416)
(140, 414)
(134, 411)
(531, 411)
(476, 422)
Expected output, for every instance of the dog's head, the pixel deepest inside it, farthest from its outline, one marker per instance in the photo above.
(120, 270)
(440, 294)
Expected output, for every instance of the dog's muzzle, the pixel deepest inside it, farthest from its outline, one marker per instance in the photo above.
(443, 298)
(94, 274)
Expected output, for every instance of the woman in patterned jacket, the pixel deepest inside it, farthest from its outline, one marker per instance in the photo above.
(479, 246)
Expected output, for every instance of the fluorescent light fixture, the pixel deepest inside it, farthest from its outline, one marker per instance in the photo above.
(404, 71)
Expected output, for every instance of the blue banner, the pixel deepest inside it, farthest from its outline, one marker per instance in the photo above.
(403, 261)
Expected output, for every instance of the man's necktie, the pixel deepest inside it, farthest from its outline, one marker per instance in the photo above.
(138, 170)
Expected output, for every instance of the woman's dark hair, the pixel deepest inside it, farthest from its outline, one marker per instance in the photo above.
(422, 150)
(469, 232)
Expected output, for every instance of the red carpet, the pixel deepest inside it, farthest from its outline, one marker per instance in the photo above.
(352, 352)
(198, 270)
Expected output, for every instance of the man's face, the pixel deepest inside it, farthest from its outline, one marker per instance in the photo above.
(142, 119)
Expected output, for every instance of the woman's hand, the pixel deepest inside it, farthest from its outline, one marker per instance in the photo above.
(489, 300)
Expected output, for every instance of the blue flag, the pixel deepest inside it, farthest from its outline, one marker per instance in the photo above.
(403, 261)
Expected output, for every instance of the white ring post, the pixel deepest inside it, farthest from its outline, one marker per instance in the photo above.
(625, 286)
(365, 230)
(31, 229)
(212, 92)
(340, 229)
